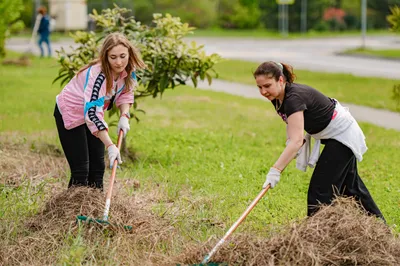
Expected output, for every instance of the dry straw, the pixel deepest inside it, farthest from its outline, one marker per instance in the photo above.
(340, 234)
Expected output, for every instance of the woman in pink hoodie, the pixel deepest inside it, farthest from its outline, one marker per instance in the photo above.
(79, 112)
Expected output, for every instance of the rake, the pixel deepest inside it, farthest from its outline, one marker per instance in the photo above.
(104, 221)
(235, 225)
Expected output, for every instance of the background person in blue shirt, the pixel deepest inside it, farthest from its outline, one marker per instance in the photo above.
(42, 27)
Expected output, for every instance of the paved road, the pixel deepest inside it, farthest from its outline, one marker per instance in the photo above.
(379, 117)
(312, 54)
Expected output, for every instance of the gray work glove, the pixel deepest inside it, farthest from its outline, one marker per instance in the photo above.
(113, 154)
(272, 177)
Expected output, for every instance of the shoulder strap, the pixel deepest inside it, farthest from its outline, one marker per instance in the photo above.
(87, 78)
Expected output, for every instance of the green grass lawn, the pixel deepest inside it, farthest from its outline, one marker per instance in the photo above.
(263, 33)
(54, 36)
(390, 54)
(373, 92)
(253, 33)
(217, 144)
(196, 145)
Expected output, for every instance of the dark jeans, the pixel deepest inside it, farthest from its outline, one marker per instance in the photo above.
(336, 173)
(44, 38)
(84, 152)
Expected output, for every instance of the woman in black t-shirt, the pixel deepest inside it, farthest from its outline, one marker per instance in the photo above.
(303, 108)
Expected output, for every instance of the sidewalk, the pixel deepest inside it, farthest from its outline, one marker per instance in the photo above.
(379, 117)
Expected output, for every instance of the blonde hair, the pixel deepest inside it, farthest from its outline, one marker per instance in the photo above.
(134, 61)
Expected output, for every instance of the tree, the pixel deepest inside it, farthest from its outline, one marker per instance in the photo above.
(315, 11)
(171, 61)
(197, 13)
(238, 14)
(10, 11)
(394, 21)
(394, 18)
(377, 12)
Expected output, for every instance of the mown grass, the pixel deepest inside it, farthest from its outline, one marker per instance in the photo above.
(208, 151)
(388, 53)
(234, 33)
(54, 36)
(264, 33)
(373, 92)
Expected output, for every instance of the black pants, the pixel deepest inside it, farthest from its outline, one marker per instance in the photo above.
(84, 152)
(336, 173)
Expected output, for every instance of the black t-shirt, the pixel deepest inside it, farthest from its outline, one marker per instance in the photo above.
(318, 108)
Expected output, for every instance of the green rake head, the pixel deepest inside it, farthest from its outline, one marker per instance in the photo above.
(88, 220)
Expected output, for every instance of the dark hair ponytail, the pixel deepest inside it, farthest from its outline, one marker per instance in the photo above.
(275, 70)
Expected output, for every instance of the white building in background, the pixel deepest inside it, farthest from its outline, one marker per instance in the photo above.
(69, 14)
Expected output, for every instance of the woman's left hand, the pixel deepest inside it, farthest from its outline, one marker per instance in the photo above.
(123, 125)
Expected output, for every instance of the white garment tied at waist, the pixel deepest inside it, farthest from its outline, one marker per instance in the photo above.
(343, 128)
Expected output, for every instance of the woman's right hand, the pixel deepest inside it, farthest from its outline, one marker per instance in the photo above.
(272, 177)
(113, 154)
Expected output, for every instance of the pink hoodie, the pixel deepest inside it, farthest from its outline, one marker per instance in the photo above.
(83, 99)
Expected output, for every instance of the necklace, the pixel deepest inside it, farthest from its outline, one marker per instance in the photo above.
(276, 104)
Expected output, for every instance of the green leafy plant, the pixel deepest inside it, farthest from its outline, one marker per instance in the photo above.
(10, 11)
(396, 95)
(394, 20)
(170, 60)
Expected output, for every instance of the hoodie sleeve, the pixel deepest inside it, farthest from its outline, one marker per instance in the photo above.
(94, 103)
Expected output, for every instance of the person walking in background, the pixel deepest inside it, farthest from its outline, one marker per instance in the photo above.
(42, 27)
(80, 106)
(304, 108)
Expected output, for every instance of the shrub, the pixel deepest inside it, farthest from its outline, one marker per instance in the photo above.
(394, 20)
(10, 11)
(171, 61)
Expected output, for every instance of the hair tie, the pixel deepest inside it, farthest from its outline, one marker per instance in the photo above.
(279, 65)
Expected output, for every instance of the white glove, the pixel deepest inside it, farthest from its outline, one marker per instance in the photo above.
(273, 177)
(113, 154)
(123, 125)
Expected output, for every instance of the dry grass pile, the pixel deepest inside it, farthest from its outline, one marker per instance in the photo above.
(21, 162)
(49, 236)
(340, 234)
(23, 60)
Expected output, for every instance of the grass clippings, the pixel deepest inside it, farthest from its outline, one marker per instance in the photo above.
(48, 234)
(19, 163)
(55, 228)
(339, 234)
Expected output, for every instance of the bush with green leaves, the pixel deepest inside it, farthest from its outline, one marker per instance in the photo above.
(238, 14)
(394, 20)
(10, 11)
(170, 60)
(197, 13)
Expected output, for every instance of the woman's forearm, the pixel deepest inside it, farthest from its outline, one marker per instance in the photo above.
(104, 137)
(288, 154)
(124, 108)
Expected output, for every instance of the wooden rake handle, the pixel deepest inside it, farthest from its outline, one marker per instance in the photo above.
(112, 178)
(236, 224)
